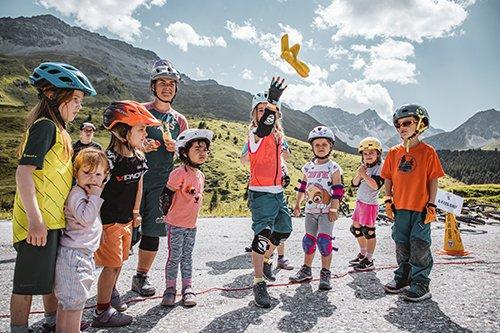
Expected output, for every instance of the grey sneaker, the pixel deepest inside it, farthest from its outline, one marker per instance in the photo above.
(304, 274)
(116, 301)
(324, 279)
(283, 263)
(261, 296)
(188, 297)
(394, 287)
(268, 272)
(142, 286)
(356, 260)
(168, 297)
(111, 318)
(417, 292)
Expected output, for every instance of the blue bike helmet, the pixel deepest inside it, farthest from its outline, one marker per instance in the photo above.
(61, 76)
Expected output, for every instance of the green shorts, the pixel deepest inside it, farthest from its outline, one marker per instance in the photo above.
(269, 210)
(150, 211)
(35, 266)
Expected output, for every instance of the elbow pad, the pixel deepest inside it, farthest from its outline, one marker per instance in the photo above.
(266, 123)
(301, 187)
(166, 198)
(379, 180)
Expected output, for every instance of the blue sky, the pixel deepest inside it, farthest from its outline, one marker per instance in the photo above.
(362, 53)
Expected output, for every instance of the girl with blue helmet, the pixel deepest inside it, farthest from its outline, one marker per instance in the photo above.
(43, 179)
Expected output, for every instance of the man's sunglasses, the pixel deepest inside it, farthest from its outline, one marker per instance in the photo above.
(406, 123)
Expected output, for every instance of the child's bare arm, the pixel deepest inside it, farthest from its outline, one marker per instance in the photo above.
(300, 197)
(137, 219)
(433, 187)
(37, 230)
(388, 187)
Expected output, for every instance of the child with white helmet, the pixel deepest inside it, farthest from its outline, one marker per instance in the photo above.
(368, 183)
(180, 203)
(322, 187)
(271, 221)
(259, 100)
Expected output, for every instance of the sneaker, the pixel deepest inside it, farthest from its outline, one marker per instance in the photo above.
(116, 301)
(324, 279)
(261, 296)
(283, 263)
(188, 297)
(248, 249)
(364, 265)
(46, 328)
(394, 287)
(142, 286)
(110, 318)
(304, 274)
(356, 260)
(168, 297)
(417, 293)
(268, 272)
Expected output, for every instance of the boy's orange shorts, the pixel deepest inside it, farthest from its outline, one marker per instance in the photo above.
(115, 245)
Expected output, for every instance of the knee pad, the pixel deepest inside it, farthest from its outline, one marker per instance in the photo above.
(356, 231)
(149, 243)
(325, 244)
(309, 244)
(261, 241)
(368, 232)
(278, 237)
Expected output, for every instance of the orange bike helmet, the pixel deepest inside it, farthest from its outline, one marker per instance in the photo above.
(128, 112)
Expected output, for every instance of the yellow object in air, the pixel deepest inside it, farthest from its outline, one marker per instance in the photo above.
(289, 54)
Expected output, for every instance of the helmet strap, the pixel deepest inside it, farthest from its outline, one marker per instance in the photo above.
(324, 157)
(153, 89)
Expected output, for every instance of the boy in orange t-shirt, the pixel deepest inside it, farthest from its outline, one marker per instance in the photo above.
(411, 171)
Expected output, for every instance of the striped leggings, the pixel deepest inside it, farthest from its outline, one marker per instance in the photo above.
(180, 242)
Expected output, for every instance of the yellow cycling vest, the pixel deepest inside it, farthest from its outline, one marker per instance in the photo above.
(52, 184)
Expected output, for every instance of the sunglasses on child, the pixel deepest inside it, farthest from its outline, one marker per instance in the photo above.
(406, 123)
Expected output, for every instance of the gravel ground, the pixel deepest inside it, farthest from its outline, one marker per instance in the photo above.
(466, 297)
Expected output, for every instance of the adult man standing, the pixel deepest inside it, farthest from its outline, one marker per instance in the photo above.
(164, 83)
(87, 130)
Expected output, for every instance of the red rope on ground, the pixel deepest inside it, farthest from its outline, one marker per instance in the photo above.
(334, 276)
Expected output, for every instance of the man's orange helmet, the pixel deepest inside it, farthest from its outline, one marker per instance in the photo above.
(128, 112)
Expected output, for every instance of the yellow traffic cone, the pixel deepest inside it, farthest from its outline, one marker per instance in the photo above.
(453, 245)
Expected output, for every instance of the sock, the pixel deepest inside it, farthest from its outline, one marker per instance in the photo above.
(268, 260)
(369, 256)
(50, 318)
(19, 328)
(363, 251)
(257, 280)
(101, 307)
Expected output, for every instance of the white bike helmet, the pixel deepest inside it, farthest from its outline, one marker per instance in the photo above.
(192, 134)
(261, 97)
(164, 68)
(321, 132)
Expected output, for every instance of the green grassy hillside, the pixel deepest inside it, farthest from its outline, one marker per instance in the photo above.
(225, 175)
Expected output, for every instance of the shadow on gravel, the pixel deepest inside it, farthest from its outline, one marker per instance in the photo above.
(425, 316)
(305, 308)
(366, 285)
(148, 321)
(239, 320)
(240, 282)
(243, 261)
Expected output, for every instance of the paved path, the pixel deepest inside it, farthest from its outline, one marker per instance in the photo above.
(466, 298)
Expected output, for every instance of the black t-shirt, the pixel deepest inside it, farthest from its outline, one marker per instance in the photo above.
(41, 138)
(77, 146)
(120, 191)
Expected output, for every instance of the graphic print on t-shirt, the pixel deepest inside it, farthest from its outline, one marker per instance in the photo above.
(407, 163)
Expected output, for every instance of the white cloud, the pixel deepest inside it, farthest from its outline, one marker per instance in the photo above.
(316, 74)
(310, 44)
(354, 96)
(337, 52)
(182, 34)
(333, 67)
(358, 63)
(391, 70)
(113, 15)
(387, 62)
(199, 73)
(411, 19)
(157, 24)
(243, 32)
(247, 74)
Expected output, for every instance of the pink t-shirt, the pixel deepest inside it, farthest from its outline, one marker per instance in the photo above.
(188, 184)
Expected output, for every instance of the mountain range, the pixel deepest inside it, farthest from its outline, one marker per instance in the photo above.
(119, 70)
